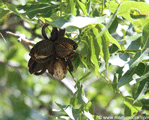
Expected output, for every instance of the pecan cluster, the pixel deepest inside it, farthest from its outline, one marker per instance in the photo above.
(52, 54)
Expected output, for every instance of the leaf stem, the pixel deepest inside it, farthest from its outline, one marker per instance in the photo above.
(130, 50)
(72, 76)
(84, 76)
(103, 76)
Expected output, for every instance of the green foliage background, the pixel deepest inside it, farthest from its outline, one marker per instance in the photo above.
(111, 64)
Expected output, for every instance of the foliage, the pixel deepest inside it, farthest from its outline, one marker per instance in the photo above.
(111, 64)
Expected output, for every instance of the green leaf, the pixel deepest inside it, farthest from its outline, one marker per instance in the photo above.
(76, 60)
(14, 9)
(3, 13)
(97, 117)
(99, 40)
(140, 70)
(113, 48)
(144, 76)
(114, 85)
(73, 9)
(89, 6)
(59, 22)
(83, 7)
(127, 111)
(145, 102)
(112, 40)
(138, 58)
(74, 100)
(72, 113)
(105, 44)
(133, 38)
(145, 36)
(86, 53)
(109, 37)
(43, 10)
(127, 77)
(125, 11)
(126, 8)
(80, 93)
(112, 5)
(109, 22)
(113, 26)
(78, 21)
(89, 107)
(130, 107)
(142, 89)
(94, 56)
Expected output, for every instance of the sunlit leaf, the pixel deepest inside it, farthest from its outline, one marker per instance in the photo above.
(79, 21)
(109, 37)
(89, 107)
(94, 57)
(99, 40)
(83, 7)
(126, 8)
(73, 9)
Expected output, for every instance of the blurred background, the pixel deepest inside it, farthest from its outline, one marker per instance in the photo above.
(25, 97)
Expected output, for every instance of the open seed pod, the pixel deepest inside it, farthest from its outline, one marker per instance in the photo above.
(64, 47)
(53, 54)
(36, 68)
(42, 51)
(59, 69)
